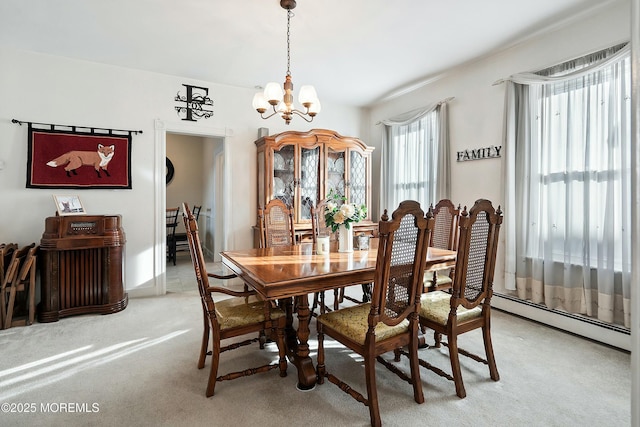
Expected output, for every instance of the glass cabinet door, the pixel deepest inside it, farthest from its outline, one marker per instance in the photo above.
(284, 174)
(357, 178)
(336, 172)
(309, 181)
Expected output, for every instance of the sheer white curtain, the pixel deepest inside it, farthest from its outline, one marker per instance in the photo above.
(415, 157)
(568, 195)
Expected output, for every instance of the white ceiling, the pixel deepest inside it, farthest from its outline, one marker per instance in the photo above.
(355, 52)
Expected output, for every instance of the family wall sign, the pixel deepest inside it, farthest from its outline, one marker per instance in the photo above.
(490, 152)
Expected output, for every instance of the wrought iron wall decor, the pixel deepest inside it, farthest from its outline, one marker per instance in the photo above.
(61, 156)
(170, 170)
(194, 101)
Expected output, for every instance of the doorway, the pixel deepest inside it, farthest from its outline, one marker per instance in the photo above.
(198, 171)
(212, 183)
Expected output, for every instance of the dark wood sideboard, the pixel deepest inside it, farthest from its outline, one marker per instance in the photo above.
(81, 258)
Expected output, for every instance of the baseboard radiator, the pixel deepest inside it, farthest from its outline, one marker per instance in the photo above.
(615, 335)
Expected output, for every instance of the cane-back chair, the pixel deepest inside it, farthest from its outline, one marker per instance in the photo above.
(468, 306)
(390, 320)
(275, 221)
(276, 224)
(240, 315)
(444, 236)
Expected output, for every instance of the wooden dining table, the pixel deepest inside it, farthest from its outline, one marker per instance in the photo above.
(286, 273)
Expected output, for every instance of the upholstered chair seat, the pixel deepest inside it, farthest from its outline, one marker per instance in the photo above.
(352, 322)
(441, 280)
(238, 311)
(436, 306)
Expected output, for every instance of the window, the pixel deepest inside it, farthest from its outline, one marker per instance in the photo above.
(415, 158)
(582, 162)
(568, 181)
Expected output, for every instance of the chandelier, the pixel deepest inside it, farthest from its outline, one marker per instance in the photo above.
(282, 101)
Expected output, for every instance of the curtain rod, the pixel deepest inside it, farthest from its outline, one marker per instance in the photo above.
(93, 129)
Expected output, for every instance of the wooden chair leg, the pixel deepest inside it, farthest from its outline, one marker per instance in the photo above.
(320, 369)
(215, 360)
(414, 364)
(372, 392)
(205, 343)
(455, 366)
(488, 349)
(262, 339)
(366, 292)
(437, 338)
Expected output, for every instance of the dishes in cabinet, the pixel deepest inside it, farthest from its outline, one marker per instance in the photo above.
(278, 162)
(331, 166)
(339, 165)
(278, 186)
(336, 183)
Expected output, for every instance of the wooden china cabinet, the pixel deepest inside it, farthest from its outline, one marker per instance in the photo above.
(301, 168)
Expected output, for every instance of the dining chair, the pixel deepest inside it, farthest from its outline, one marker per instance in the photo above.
(468, 306)
(444, 236)
(276, 224)
(390, 319)
(20, 285)
(244, 313)
(172, 224)
(181, 238)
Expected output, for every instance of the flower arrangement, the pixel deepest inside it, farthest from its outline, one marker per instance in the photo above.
(337, 212)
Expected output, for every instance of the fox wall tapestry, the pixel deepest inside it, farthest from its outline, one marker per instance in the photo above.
(66, 159)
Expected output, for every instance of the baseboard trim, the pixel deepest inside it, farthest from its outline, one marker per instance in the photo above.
(605, 333)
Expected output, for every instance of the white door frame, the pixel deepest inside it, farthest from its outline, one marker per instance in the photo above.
(219, 243)
(160, 196)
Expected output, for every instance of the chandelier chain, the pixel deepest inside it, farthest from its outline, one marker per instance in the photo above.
(289, 14)
(280, 101)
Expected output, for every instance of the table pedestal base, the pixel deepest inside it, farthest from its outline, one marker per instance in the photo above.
(298, 344)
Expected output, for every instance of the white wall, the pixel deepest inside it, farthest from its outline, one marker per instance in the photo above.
(50, 89)
(476, 113)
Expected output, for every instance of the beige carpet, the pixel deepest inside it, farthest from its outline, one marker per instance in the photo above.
(138, 368)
